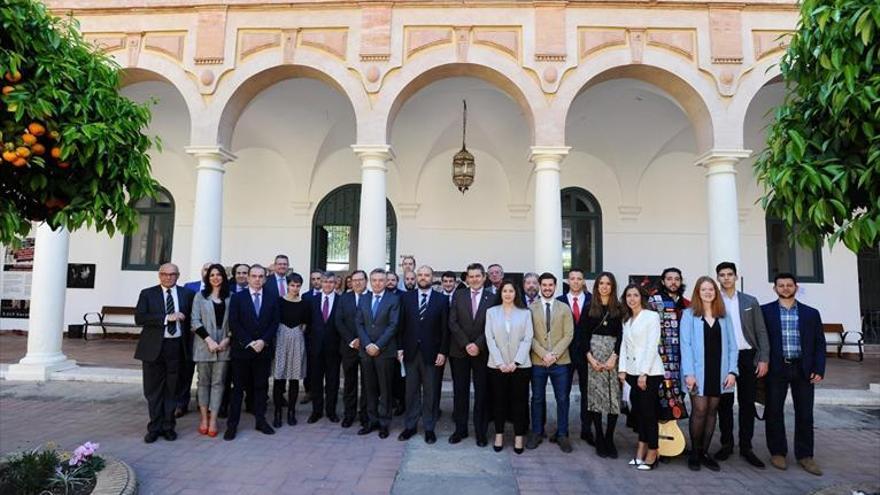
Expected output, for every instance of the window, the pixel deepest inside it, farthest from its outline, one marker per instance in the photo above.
(785, 256)
(581, 231)
(150, 245)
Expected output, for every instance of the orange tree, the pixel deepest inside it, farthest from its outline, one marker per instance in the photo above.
(74, 151)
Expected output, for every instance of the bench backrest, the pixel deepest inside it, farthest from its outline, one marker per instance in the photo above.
(832, 327)
(117, 310)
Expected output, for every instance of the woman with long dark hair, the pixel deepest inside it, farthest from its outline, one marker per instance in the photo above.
(290, 349)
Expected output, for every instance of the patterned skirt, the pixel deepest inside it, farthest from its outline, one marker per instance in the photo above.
(290, 353)
(603, 387)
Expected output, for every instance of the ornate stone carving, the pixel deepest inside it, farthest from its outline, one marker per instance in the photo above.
(679, 41)
(250, 43)
(206, 77)
(332, 41)
(725, 35)
(462, 42)
(636, 44)
(504, 40)
(418, 39)
(373, 74)
(210, 36)
(375, 32)
(593, 40)
(170, 44)
(767, 42)
(107, 42)
(550, 33)
(551, 74)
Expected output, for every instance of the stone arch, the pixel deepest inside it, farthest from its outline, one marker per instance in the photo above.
(695, 93)
(161, 70)
(263, 71)
(762, 74)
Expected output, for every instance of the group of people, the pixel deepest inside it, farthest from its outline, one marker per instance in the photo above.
(391, 339)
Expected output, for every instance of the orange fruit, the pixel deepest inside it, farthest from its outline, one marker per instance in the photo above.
(8, 89)
(63, 164)
(13, 77)
(36, 129)
(10, 156)
(38, 149)
(23, 152)
(29, 139)
(20, 162)
(56, 152)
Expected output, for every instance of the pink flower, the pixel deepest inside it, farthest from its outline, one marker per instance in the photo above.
(83, 452)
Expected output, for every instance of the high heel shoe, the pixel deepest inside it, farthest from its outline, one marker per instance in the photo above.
(649, 467)
(291, 416)
(212, 433)
(498, 448)
(203, 429)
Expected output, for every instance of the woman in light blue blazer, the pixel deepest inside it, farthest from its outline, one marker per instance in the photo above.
(709, 356)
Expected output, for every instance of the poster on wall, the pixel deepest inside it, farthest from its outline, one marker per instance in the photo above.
(80, 275)
(651, 283)
(15, 280)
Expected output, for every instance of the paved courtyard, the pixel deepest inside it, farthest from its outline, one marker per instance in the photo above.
(324, 458)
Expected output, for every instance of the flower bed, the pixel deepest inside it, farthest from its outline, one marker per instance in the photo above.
(45, 470)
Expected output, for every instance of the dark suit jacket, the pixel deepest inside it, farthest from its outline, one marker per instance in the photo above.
(150, 314)
(195, 285)
(577, 350)
(246, 326)
(344, 319)
(382, 330)
(463, 327)
(430, 333)
(324, 336)
(754, 330)
(812, 338)
(270, 288)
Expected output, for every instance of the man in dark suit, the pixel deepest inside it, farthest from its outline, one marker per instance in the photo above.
(376, 320)
(315, 281)
(578, 300)
(163, 311)
(253, 322)
(316, 278)
(424, 345)
(240, 283)
(349, 346)
(448, 285)
(797, 360)
(324, 351)
(468, 354)
(276, 282)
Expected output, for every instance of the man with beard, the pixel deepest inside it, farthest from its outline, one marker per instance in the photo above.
(530, 288)
(409, 281)
(669, 301)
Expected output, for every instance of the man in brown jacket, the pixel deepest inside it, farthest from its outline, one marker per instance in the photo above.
(554, 329)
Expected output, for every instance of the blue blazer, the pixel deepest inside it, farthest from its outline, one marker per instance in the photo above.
(246, 325)
(582, 334)
(382, 329)
(812, 338)
(430, 333)
(270, 288)
(693, 351)
(323, 337)
(195, 285)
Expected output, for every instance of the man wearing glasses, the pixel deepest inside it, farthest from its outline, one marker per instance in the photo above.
(163, 312)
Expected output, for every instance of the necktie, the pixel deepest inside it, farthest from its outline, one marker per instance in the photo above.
(325, 309)
(547, 318)
(169, 310)
(282, 289)
(423, 306)
(257, 303)
(576, 309)
(375, 305)
(475, 303)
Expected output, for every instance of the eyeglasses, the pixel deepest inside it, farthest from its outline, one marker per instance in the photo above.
(174, 274)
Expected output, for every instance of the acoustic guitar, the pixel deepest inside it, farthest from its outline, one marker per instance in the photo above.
(671, 439)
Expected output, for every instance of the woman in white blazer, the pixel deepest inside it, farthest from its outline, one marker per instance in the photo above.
(642, 368)
(509, 335)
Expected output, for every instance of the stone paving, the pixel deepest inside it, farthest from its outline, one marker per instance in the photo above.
(324, 458)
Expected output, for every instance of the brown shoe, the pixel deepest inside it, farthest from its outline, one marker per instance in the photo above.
(778, 462)
(810, 466)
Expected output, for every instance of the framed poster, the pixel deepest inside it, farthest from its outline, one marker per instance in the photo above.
(80, 275)
(16, 273)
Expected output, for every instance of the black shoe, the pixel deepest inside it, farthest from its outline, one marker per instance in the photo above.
(482, 442)
(169, 435)
(313, 418)
(151, 437)
(600, 450)
(498, 448)
(430, 438)
(406, 434)
(518, 451)
(694, 461)
(383, 432)
(564, 444)
(291, 416)
(752, 459)
(333, 418)
(533, 440)
(710, 463)
(611, 449)
(366, 429)
(347, 422)
(587, 436)
(724, 453)
(230, 433)
(457, 437)
(265, 428)
(276, 421)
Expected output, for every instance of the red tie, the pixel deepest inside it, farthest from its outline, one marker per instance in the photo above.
(576, 309)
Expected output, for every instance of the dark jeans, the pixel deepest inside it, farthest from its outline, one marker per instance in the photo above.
(354, 407)
(580, 366)
(160, 385)
(510, 399)
(420, 382)
(253, 374)
(560, 378)
(644, 405)
(462, 370)
(324, 374)
(802, 391)
(378, 375)
(745, 397)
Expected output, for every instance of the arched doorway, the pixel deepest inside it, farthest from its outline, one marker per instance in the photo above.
(335, 231)
(581, 232)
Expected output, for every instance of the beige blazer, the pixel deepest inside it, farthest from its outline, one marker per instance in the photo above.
(561, 331)
(203, 315)
(513, 347)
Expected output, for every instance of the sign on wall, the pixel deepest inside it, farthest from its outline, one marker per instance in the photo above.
(15, 280)
(80, 275)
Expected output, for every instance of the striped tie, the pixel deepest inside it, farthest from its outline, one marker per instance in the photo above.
(423, 306)
(169, 310)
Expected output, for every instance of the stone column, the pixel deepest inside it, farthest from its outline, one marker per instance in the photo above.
(548, 209)
(207, 226)
(372, 224)
(46, 325)
(722, 207)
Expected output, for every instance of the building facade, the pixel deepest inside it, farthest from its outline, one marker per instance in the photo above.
(615, 136)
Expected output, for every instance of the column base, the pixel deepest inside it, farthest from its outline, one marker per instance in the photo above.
(38, 370)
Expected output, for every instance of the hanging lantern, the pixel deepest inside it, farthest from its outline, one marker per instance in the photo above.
(463, 166)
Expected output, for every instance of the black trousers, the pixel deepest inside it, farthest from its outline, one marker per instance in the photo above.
(378, 377)
(510, 399)
(580, 367)
(160, 385)
(398, 386)
(252, 373)
(324, 374)
(644, 404)
(438, 387)
(185, 379)
(464, 370)
(791, 375)
(745, 397)
(420, 382)
(354, 404)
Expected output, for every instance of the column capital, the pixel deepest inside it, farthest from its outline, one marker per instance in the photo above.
(373, 151)
(718, 157)
(216, 152)
(542, 153)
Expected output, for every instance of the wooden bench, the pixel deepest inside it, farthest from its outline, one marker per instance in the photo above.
(837, 329)
(100, 319)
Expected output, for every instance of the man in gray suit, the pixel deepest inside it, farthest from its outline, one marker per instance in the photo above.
(376, 321)
(754, 356)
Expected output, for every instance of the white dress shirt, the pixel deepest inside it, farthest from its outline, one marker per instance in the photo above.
(581, 298)
(731, 307)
